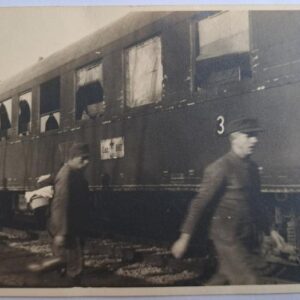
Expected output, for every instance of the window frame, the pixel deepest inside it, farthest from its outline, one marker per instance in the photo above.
(125, 63)
(10, 129)
(52, 111)
(194, 25)
(93, 62)
(31, 114)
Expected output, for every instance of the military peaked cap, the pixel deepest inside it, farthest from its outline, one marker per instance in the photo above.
(245, 125)
(79, 149)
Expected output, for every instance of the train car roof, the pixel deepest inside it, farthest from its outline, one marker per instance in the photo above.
(104, 36)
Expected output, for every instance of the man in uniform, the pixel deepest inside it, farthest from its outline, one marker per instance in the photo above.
(230, 194)
(68, 214)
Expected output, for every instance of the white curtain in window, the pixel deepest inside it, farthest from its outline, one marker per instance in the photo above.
(89, 74)
(224, 33)
(144, 73)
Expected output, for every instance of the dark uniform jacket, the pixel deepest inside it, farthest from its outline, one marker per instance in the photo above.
(69, 206)
(230, 194)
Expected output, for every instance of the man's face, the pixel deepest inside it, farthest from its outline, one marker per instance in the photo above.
(79, 162)
(244, 143)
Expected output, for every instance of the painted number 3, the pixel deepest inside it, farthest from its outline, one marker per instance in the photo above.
(220, 125)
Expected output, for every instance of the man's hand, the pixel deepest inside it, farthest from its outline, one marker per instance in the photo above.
(284, 247)
(179, 247)
(277, 239)
(59, 240)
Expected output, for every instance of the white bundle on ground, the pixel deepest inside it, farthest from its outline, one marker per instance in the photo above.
(41, 196)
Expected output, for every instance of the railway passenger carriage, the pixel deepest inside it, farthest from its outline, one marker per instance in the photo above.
(152, 94)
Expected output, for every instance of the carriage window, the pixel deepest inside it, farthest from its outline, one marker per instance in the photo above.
(49, 105)
(223, 48)
(89, 92)
(144, 73)
(25, 104)
(5, 118)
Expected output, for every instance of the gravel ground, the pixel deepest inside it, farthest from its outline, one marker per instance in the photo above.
(108, 262)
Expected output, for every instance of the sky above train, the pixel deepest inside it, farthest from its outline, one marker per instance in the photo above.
(28, 34)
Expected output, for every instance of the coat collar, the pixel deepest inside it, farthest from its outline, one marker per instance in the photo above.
(234, 157)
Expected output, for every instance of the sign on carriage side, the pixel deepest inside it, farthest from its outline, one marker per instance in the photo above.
(112, 148)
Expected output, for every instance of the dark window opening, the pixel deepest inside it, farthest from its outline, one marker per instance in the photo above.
(223, 69)
(24, 114)
(50, 96)
(87, 99)
(90, 102)
(24, 117)
(223, 43)
(5, 118)
(50, 105)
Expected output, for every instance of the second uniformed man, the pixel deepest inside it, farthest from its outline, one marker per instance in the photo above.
(68, 215)
(230, 193)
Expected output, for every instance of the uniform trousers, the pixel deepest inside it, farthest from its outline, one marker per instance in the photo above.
(70, 255)
(238, 254)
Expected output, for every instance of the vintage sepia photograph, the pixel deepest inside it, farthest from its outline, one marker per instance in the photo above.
(149, 150)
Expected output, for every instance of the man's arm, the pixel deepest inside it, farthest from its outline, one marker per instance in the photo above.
(60, 205)
(213, 181)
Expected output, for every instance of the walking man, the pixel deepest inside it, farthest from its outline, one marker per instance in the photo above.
(68, 214)
(230, 194)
